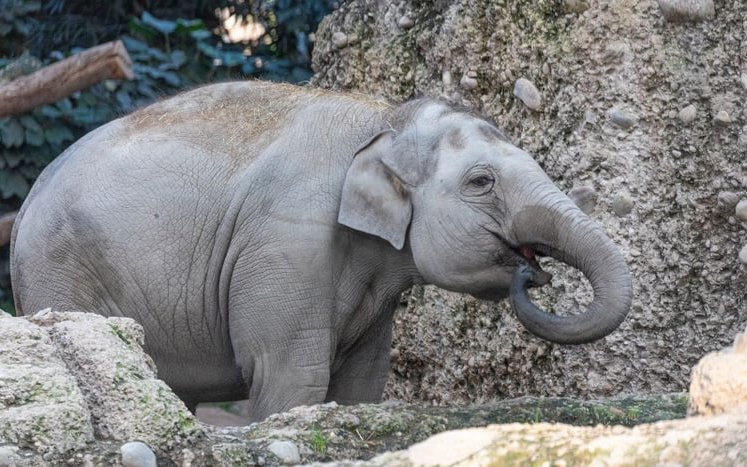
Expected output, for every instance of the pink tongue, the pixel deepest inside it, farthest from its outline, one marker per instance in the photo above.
(527, 252)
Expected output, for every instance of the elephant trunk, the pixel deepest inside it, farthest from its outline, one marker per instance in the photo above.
(567, 234)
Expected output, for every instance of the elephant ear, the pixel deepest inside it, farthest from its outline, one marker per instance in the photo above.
(374, 198)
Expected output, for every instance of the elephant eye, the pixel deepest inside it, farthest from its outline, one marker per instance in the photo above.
(479, 184)
(482, 181)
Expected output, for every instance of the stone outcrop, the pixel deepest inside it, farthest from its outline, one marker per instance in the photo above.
(77, 389)
(719, 380)
(613, 79)
(75, 383)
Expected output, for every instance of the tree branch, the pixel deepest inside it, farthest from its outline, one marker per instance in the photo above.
(53, 82)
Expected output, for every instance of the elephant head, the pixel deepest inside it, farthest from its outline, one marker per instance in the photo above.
(474, 211)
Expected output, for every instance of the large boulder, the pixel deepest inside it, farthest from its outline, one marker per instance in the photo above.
(719, 380)
(79, 383)
(612, 99)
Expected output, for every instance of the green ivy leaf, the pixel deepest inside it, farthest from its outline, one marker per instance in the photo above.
(178, 58)
(5, 29)
(133, 45)
(201, 34)
(34, 137)
(48, 111)
(137, 27)
(171, 78)
(65, 105)
(29, 7)
(12, 159)
(13, 184)
(29, 171)
(124, 99)
(30, 123)
(209, 50)
(58, 134)
(189, 25)
(161, 25)
(11, 133)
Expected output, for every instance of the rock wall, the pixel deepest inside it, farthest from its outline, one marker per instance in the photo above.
(641, 116)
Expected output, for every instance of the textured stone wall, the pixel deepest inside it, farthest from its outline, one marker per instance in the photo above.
(642, 115)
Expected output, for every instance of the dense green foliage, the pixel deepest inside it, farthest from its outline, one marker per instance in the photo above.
(172, 44)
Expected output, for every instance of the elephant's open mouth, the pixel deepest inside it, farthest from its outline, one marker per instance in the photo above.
(528, 254)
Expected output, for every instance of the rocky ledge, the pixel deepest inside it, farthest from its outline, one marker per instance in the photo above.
(78, 389)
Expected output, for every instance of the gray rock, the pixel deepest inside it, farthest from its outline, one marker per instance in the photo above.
(743, 255)
(622, 118)
(405, 22)
(741, 210)
(727, 201)
(340, 39)
(286, 451)
(468, 81)
(687, 115)
(527, 92)
(719, 381)
(722, 118)
(40, 401)
(112, 369)
(137, 454)
(615, 52)
(585, 198)
(622, 205)
(743, 79)
(678, 11)
(575, 6)
(8, 456)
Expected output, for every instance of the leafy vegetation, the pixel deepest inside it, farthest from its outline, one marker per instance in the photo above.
(173, 45)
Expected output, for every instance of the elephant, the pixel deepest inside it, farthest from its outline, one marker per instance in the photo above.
(262, 235)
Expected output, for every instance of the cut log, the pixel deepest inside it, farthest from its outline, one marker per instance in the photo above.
(6, 225)
(53, 82)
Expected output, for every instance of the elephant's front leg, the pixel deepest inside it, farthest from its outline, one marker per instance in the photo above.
(283, 352)
(361, 373)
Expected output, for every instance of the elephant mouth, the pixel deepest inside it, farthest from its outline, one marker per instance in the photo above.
(528, 255)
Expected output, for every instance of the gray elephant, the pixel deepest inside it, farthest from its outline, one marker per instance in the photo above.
(262, 234)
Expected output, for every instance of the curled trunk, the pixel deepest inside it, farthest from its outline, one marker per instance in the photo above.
(581, 243)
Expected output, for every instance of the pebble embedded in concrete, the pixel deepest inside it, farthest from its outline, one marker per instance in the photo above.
(527, 92)
(286, 451)
(741, 210)
(468, 81)
(727, 200)
(622, 205)
(575, 6)
(722, 118)
(585, 197)
(679, 11)
(340, 39)
(622, 118)
(743, 255)
(687, 115)
(405, 22)
(137, 454)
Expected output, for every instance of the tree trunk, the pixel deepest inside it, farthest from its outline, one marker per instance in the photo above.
(53, 82)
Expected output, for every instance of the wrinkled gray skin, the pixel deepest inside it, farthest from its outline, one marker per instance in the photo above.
(262, 235)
